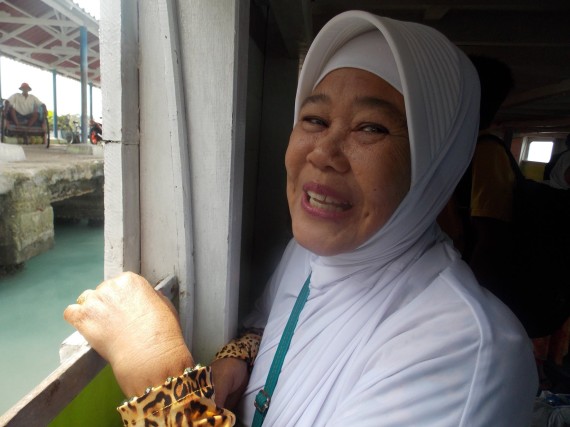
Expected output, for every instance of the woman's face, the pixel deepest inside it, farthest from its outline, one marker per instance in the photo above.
(348, 161)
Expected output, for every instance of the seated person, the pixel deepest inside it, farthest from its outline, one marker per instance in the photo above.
(371, 318)
(24, 109)
(557, 170)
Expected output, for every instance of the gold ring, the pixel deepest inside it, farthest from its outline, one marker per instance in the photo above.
(81, 298)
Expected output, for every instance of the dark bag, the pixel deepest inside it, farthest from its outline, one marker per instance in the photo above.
(540, 259)
(535, 273)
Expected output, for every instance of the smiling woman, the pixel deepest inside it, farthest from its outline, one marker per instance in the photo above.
(338, 194)
(371, 317)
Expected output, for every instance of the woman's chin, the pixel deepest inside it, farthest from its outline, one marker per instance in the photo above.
(323, 243)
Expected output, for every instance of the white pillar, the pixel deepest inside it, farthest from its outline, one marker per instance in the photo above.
(119, 66)
(212, 56)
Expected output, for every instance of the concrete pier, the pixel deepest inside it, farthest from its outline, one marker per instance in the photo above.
(59, 182)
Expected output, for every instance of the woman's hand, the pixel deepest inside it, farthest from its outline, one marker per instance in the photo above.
(135, 328)
(230, 377)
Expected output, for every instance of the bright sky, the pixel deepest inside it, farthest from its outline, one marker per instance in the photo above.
(13, 74)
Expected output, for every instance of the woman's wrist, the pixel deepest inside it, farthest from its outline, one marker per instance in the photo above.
(230, 378)
(135, 373)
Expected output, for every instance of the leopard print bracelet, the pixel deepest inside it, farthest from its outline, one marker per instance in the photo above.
(187, 400)
(245, 347)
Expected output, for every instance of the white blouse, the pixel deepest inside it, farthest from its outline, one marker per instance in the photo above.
(433, 349)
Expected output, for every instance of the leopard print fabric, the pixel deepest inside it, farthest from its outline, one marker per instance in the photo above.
(245, 347)
(185, 401)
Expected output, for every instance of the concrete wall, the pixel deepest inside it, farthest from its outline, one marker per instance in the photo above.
(26, 222)
(33, 192)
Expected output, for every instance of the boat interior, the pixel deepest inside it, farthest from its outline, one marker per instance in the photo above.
(532, 38)
(200, 207)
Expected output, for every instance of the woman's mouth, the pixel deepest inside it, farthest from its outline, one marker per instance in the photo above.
(326, 202)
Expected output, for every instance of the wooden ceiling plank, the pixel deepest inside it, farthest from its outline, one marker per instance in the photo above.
(538, 93)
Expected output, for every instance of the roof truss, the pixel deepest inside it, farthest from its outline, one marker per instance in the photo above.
(47, 34)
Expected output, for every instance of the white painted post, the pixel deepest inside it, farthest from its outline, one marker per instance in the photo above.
(214, 37)
(119, 68)
(165, 186)
(190, 92)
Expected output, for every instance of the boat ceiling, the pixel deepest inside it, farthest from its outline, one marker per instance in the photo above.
(46, 34)
(532, 37)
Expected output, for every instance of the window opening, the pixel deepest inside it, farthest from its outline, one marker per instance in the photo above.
(539, 150)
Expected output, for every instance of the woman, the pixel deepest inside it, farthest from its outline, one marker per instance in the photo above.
(395, 331)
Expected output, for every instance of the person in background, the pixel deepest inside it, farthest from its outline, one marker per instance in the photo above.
(478, 214)
(24, 108)
(552, 349)
(371, 318)
(557, 170)
(492, 184)
(478, 218)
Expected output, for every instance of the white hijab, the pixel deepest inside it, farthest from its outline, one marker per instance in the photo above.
(441, 94)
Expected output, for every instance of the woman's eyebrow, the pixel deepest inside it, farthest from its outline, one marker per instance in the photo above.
(373, 102)
(385, 106)
(362, 101)
(316, 99)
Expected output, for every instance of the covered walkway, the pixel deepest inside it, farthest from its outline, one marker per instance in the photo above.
(57, 36)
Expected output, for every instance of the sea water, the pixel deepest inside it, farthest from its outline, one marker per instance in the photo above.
(31, 307)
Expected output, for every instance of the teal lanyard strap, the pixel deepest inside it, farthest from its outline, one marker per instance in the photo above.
(263, 398)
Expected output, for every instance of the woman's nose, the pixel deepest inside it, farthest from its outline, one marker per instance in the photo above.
(328, 152)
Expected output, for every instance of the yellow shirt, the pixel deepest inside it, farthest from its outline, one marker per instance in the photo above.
(493, 182)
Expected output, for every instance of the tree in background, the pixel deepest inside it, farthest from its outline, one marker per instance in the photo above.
(66, 125)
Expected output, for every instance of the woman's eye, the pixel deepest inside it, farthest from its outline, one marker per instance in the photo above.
(374, 128)
(314, 121)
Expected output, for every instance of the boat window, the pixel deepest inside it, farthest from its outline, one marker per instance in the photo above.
(51, 216)
(539, 150)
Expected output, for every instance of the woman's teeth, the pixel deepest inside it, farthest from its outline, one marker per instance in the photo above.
(328, 203)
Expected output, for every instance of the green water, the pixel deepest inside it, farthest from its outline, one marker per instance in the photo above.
(32, 303)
